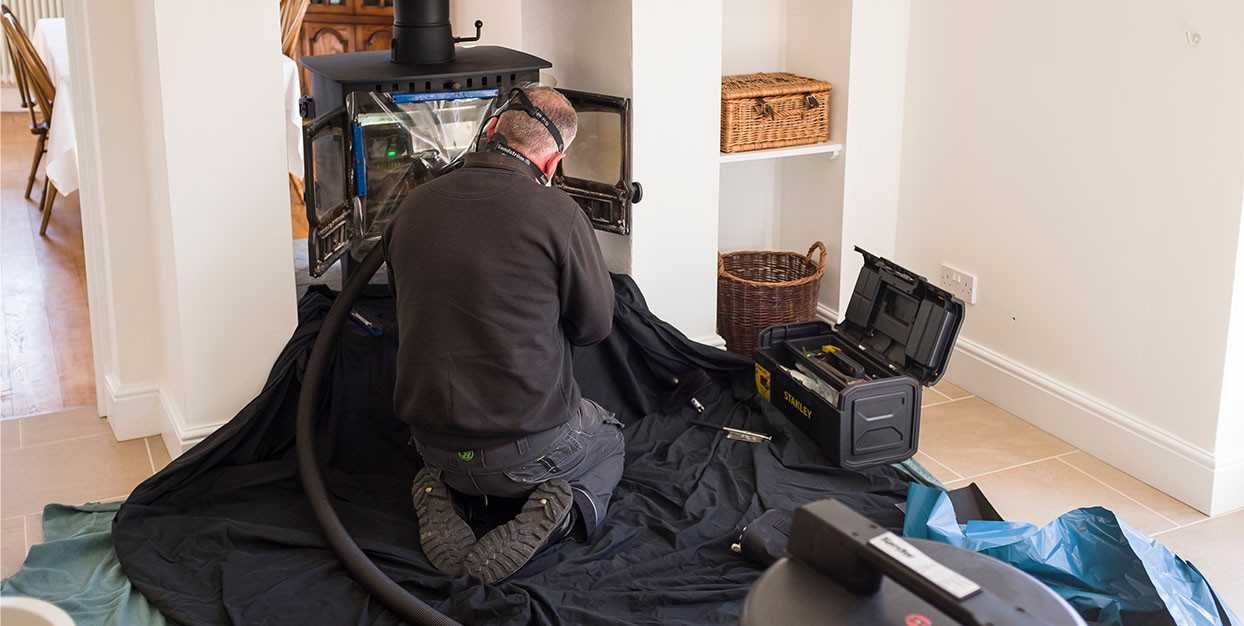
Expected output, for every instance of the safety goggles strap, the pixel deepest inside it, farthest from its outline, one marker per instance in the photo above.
(524, 104)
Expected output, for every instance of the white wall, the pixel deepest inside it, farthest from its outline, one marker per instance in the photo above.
(117, 232)
(879, 34)
(1087, 163)
(653, 53)
(676, 59)
(185, 207)
(503, 21)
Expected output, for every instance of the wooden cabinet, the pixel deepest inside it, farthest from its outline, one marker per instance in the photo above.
(374, 37)
(327, 39)
(336, 26)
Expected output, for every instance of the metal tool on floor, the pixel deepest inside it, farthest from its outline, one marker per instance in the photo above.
(737, 434)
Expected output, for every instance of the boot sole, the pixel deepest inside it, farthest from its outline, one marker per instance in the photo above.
(445, 536)
(504, 550)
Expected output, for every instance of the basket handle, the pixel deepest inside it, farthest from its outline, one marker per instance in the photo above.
(721, 265)
(764, 109)
(820, 263)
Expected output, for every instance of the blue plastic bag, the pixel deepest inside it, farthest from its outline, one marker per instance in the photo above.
(1108, 571)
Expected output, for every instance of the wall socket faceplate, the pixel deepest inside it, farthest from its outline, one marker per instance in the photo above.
(959, 283)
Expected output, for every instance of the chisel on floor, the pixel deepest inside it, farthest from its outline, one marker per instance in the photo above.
(736, 433)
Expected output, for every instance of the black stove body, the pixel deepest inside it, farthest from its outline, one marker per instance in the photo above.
(381, 123)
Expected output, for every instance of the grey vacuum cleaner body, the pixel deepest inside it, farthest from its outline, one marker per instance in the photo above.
(840, 569)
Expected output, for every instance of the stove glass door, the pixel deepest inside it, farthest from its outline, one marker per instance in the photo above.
(597, 169)
(328, 179)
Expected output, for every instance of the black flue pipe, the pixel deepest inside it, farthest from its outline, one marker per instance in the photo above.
(421, 32)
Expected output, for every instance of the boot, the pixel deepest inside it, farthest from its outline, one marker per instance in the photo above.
(544, 520)
(446, 537)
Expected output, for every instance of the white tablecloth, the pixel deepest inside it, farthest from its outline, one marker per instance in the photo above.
(293, 121)
(62, 157)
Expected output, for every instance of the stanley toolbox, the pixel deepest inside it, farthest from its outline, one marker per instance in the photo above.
(855, 388)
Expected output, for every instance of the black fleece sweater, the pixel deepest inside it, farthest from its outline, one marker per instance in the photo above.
(495, 277)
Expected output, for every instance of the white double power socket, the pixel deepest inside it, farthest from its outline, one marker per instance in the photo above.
(959, 283)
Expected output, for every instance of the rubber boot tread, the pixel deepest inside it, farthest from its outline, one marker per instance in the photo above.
(446, 537)
(507, 548)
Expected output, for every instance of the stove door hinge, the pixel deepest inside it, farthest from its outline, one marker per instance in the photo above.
(306, 108)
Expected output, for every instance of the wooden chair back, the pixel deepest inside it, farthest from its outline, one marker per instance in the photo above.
(26, 62)
(18, 70)
(292, 12)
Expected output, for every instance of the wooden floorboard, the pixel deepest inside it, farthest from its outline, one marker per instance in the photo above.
(32, 359)
(63, 269)
(297, 214)
(46, 358)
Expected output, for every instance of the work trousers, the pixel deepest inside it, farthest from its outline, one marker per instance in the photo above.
(586, 452)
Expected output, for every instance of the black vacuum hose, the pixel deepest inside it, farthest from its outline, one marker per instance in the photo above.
(407, 606)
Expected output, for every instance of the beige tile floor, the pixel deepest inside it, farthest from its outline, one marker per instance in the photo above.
(71, 457)
(1032, 476)
(67, 457)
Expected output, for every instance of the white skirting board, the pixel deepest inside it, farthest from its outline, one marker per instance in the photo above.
(136, 411)
(1184, 471)
(179, 436)
(1167, 462)
(133, 410)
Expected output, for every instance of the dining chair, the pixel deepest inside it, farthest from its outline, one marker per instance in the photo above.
(33, 80)
(292, 12)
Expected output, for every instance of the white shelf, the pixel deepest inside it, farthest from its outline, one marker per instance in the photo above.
(832, 149)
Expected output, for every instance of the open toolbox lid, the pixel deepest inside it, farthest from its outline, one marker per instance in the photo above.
(902, 322)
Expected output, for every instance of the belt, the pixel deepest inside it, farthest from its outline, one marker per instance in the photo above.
(522, 446)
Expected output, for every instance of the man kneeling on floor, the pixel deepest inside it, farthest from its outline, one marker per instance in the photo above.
(496, 274)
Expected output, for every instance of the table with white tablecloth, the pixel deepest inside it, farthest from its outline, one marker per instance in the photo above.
(61, 166)
(51, 43)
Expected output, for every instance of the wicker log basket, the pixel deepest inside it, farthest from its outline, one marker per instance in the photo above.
(757, 289)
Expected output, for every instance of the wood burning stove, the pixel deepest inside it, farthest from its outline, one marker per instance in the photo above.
(384, 123)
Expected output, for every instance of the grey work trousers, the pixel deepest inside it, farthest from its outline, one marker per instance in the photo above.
(586, 452)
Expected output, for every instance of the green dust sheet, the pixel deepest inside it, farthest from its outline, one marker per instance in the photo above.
(76, 569)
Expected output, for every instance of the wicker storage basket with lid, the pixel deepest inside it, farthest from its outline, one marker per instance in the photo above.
(772, 110)
(756, 290)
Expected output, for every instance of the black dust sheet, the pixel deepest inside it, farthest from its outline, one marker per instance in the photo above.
(224, 535)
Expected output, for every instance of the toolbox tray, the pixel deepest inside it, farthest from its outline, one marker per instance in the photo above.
(900, 330)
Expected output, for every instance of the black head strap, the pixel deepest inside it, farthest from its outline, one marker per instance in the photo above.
(520, 102)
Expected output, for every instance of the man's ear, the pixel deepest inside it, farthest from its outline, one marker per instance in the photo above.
(492, 127)
(550, 166)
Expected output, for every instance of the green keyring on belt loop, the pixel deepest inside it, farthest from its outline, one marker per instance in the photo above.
(466, 455)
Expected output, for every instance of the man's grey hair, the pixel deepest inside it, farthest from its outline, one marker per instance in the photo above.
(528, 135)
